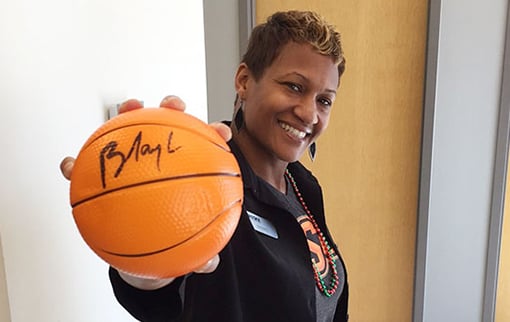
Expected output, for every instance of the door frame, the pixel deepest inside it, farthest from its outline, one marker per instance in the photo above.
(499, 186)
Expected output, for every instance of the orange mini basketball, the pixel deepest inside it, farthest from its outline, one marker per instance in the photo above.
(156, 192)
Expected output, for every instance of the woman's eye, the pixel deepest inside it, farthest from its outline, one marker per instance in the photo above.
(294, 87)
(325, 102)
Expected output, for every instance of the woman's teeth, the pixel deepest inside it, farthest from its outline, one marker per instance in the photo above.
(293, 131)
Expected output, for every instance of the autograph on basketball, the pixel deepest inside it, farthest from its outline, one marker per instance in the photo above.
(136, 152)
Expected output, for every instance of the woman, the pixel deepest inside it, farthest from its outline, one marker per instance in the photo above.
(281, 263)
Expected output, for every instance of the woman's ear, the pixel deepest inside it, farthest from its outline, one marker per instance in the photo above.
(241, 80)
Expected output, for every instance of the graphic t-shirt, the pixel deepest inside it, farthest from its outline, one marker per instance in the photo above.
(326, 306)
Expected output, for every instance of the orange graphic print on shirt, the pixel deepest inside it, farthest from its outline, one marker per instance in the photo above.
(314, 245)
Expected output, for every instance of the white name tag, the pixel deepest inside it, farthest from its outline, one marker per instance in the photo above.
(262, 225)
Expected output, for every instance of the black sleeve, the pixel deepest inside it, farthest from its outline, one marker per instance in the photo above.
(341, 314)
(163, 304)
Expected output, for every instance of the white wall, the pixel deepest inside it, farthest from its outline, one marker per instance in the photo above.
(60, 63)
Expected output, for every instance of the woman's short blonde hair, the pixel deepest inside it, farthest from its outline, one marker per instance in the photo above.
(268, 39)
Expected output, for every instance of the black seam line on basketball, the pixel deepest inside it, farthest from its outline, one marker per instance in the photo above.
(179, 243)
(208, 174)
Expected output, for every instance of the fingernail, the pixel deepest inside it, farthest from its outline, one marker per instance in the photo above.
(67, 168)
(168, 98)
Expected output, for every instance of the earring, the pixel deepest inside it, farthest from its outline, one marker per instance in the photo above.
(239, 117)
(312, 151)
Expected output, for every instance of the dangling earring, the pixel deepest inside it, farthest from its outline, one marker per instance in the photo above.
(239, 117)
(312, 151)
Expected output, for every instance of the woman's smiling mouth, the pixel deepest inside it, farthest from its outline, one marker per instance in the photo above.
(293, 131)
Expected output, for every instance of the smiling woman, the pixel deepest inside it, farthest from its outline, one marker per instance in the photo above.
(271, 102)
(368, 160)
(281, 257)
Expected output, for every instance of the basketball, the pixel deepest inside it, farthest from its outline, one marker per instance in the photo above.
(156, 192)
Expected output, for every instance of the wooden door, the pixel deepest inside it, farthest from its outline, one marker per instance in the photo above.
(368, 160)
(503, 288)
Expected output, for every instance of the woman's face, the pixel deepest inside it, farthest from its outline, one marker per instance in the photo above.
(289, 106)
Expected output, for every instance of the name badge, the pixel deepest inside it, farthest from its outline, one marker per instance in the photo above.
(262, 225)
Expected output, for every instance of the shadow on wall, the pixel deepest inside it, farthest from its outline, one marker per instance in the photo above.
(4, 299)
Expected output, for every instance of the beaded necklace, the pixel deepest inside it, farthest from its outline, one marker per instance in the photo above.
(326, 249)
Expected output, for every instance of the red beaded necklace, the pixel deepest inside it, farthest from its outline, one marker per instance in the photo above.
(326, 249)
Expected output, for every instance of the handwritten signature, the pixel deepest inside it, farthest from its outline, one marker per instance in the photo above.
(138, 150)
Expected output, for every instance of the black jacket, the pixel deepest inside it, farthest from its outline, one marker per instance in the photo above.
(259, 279)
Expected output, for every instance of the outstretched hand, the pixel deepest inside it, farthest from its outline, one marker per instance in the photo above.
(173, 102)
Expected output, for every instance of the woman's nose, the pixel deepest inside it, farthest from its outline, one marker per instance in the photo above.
(307, 111)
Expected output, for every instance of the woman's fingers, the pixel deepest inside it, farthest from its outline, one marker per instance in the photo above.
(172, 101)
(223, 130)
(153, 284)
(66, 167)
(210, 266)
(147, 284)
(129, 105)
(175, 102)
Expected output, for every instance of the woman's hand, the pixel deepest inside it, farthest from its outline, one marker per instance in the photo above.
(174, 102)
